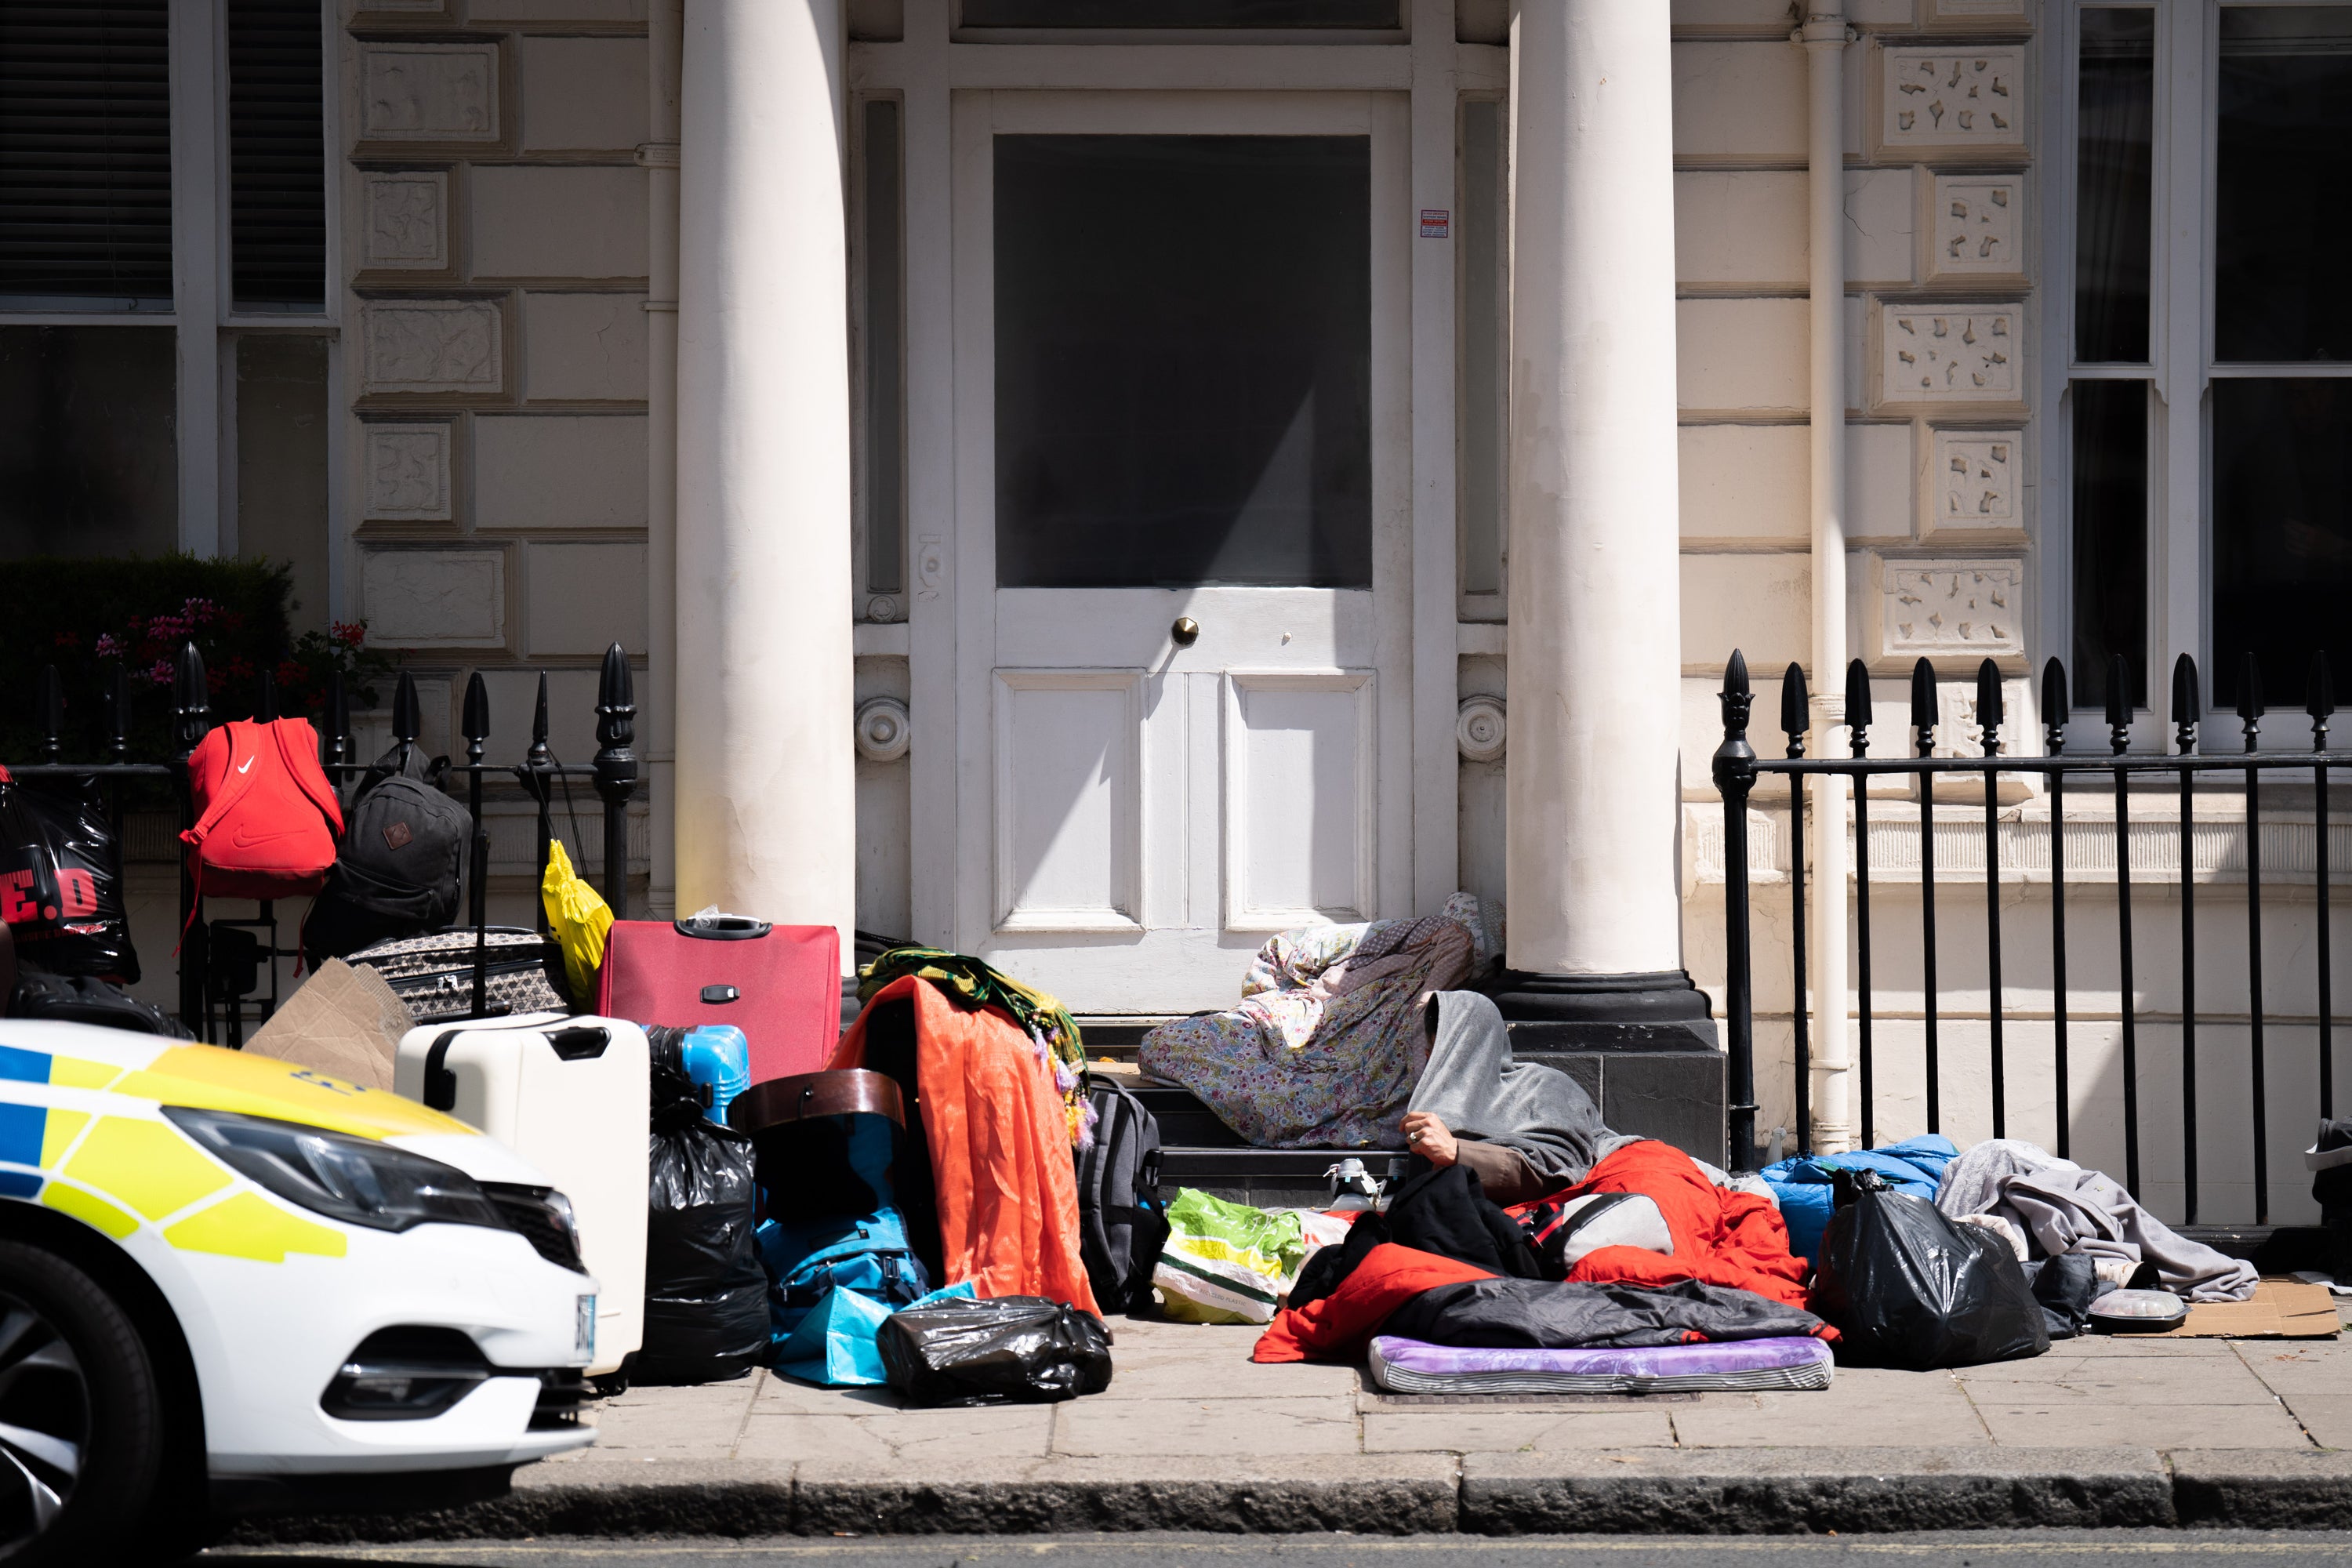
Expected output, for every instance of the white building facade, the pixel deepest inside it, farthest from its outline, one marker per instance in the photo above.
(1096, 484)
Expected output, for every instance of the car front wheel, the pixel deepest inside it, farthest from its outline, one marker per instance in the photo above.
(81, 1422)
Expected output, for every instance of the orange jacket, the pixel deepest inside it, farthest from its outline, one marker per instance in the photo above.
(1008, 1194)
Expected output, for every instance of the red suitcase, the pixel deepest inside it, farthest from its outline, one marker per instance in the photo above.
(780, 984)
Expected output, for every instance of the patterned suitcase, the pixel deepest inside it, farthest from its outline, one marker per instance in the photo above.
(434, 975)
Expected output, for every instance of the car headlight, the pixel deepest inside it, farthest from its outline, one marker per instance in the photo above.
(350, 1179)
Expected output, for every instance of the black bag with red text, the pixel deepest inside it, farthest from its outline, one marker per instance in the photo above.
(61, 879)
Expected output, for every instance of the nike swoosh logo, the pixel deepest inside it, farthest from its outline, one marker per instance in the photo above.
(245, 766)
(246, 838)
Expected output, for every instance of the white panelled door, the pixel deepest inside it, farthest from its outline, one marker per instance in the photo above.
(1180, 397)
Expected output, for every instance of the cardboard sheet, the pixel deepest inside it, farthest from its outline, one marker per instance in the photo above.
(343, 1022)
(2279, 1310)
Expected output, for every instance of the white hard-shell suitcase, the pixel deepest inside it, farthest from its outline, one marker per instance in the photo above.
(570, 1095)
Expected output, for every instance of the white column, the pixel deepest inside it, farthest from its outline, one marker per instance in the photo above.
(1823, 36)
(1594, 642)
(766, 774)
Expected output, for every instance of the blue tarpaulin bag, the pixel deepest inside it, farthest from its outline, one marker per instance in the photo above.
(866, 1253)
(834, 1344)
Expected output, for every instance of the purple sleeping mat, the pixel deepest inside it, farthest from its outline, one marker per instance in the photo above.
(1737, 1366)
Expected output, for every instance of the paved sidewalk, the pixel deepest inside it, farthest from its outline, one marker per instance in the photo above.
(1192, 1434)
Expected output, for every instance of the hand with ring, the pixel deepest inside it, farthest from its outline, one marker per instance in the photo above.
(1428, 1137)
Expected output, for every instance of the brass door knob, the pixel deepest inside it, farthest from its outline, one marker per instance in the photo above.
(1186, 631)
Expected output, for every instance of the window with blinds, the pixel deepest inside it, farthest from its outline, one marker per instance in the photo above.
(277, 176)
(86, 156)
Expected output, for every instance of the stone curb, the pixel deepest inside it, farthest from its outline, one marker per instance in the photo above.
(1633, 1491)
(1748, 1492)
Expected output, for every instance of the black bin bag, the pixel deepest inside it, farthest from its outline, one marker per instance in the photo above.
(1012, 1350)
(60, 881)
(1907, 1288)
(706, 1294)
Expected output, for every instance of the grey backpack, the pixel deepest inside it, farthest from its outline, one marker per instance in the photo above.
(1122, 1223)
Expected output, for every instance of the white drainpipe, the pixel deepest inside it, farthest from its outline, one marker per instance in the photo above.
(664, 34)
(1824, 37)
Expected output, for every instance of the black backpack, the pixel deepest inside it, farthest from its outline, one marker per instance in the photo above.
(397, 871)
(1122, 1223)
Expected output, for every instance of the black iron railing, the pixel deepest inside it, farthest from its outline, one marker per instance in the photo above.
(1737, 770)
(222, 961)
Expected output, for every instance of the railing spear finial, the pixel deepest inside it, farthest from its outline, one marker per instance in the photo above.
(2186, 706)
(1989, 710)
(1857, 705)
(2054, 706)
(1923, 706)
(1796, 708)
(2319, 697)
(2119, 705)
(2249, 699)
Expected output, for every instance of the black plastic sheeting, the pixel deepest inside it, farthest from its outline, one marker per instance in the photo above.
(1546, 1314)
(706, 1294)
(1908, 1288)
(1012, 1350)
(60, 888)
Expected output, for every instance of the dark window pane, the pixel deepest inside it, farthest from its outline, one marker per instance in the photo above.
(89, 465)
(2113, 162)
(281, 464)
(1183, 360)
(2110, 536)
(1484, 245)
(2284, 184)
(278, 173)
(885, 417)
(86, 156)
(1182, 14)
(2281, 530)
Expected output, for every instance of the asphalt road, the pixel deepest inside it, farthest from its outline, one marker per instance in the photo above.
(2004, 1549)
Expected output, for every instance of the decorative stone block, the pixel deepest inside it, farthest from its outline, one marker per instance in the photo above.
(1950, 353)
(1978, 227)
(435, 598)
(1941, 608)
(408, 472)
(1954, 97)
(433, 345)
(1975, 482)
(428, 92)
(408, 221)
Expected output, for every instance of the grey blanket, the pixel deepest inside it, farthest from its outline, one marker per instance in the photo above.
(2065, 1208)
(1473, 1086)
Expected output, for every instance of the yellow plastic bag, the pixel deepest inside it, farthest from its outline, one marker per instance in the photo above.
(579, 919)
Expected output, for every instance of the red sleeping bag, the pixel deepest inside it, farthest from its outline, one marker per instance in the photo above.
(780, 984)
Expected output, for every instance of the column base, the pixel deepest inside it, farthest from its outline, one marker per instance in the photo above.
(1658, 1011)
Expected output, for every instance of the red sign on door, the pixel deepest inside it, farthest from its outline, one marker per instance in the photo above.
(1435, 223)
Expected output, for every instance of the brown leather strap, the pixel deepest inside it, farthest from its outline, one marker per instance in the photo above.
(845, 1092)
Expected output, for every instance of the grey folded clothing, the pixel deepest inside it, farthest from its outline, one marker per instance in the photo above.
(1472, 1084)
(2065, 1208)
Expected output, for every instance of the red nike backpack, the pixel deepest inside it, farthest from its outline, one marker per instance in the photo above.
(267, 819)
